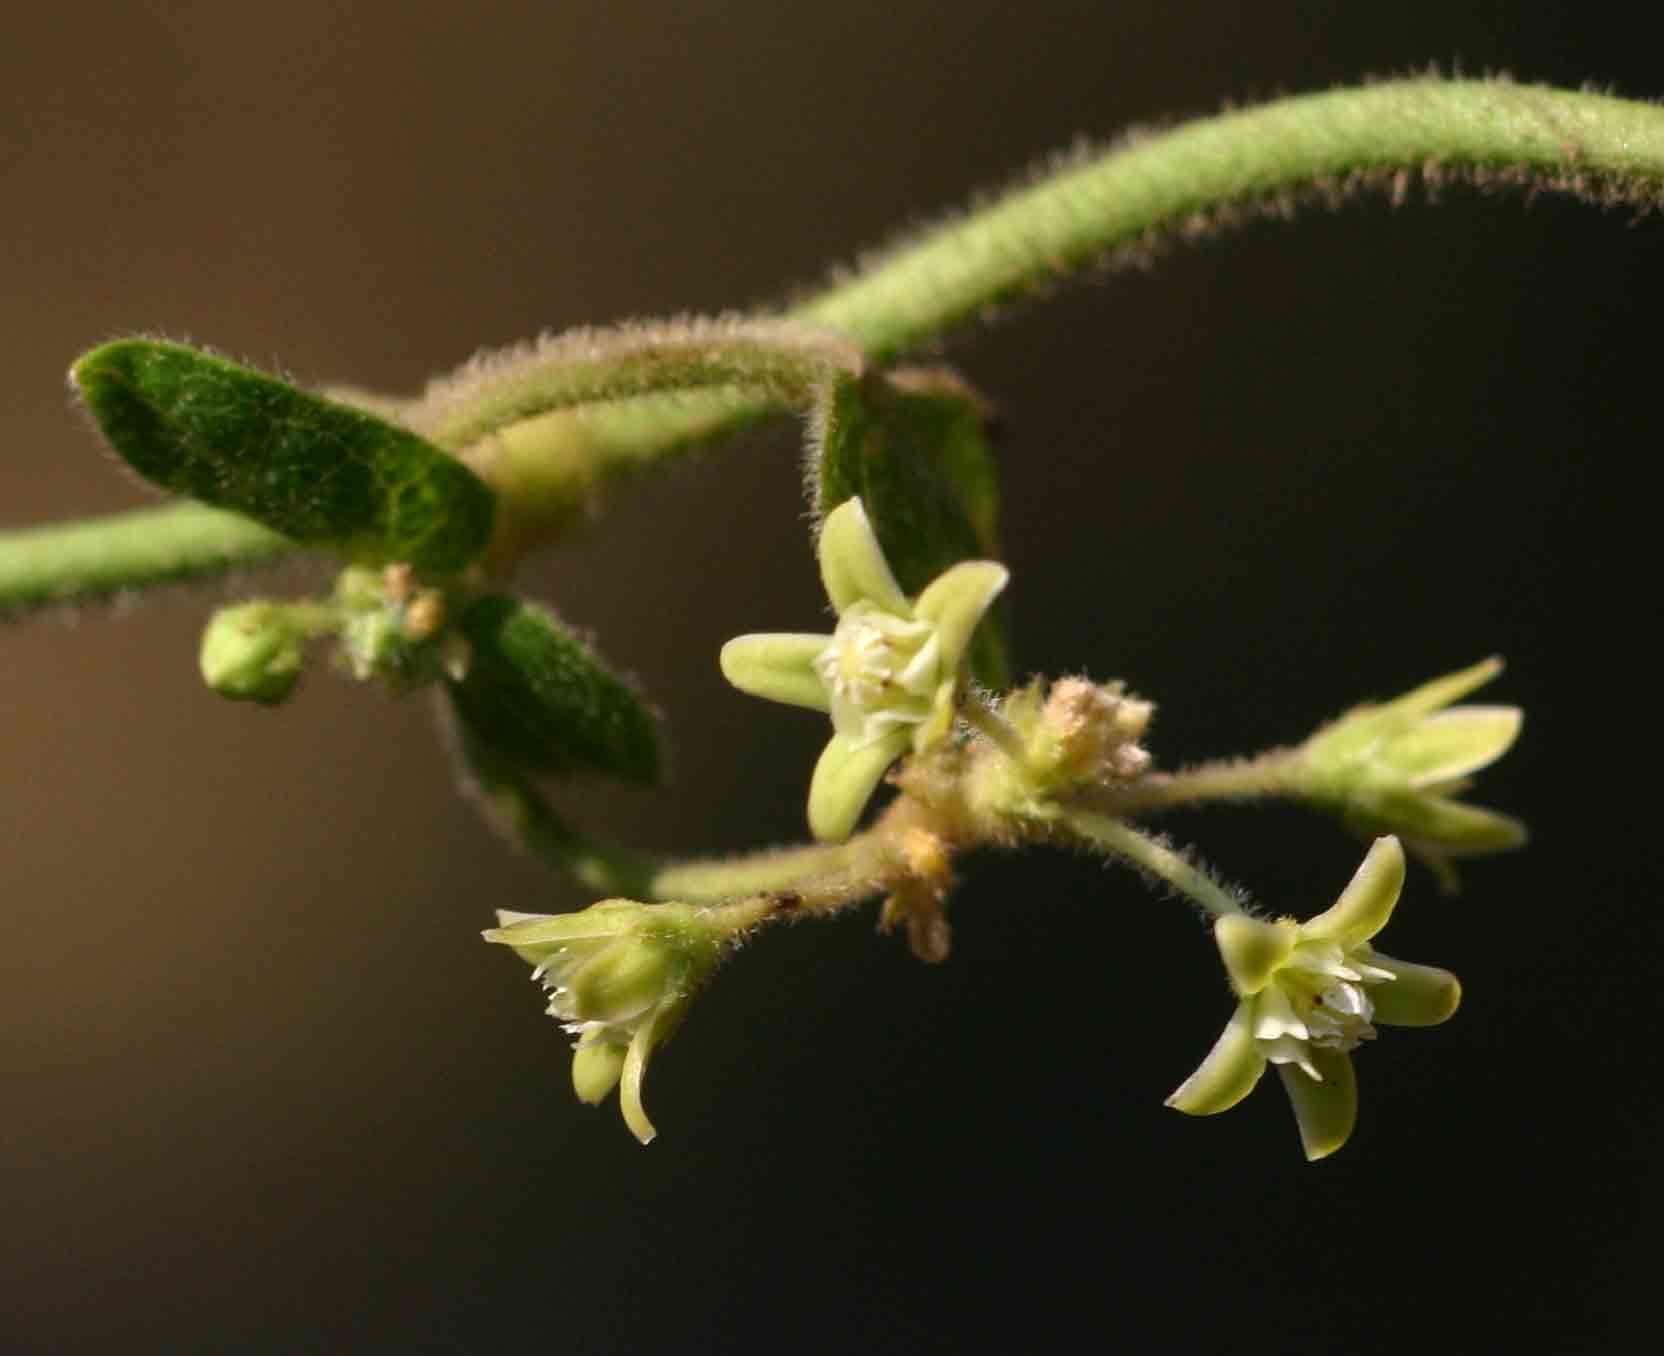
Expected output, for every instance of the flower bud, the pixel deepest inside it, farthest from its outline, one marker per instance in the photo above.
(1081, 732)
(597, 1065)
(252, 652)
(391, 627)
(622, 981)
(1399, 767)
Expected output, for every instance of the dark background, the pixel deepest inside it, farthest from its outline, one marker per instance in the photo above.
(263, 1089)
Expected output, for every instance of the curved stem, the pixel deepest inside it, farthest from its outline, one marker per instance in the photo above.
(1152, 855)
(1200, 175)
(982, 715)
(773, 362)
(98, 557)
(1175, 182)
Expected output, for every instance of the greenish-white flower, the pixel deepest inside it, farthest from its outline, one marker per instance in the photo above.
(888, 675)
(1399, 766)
(619, 976)
(1309, 994)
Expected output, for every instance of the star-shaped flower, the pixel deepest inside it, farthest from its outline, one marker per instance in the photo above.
(889, 674)
(1308, 994)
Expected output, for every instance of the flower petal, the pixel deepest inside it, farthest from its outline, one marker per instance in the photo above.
(597, 1065)
(1229, 1072)
(633, 1071)
(1252, 949)
(507, 918)
(1325, 1111)
(852, 564)
(779, 667)
(956, 601)
(1456, 828)
(621, 981)
(844, 780)
(1442, 692)
(1419, 995)
(938, 725)
(605, 919)
(1367, 902)
(1452, 743)
(1275, 1017)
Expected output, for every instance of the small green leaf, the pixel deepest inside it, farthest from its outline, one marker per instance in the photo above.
(915, 450)
(317, 471)
(535, 692)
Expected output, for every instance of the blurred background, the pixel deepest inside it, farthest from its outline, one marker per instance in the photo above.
(261, 1086)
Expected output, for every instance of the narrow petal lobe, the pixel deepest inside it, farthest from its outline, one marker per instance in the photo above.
(1367, 902)
(1227, 1075)
(957, 601)
(852, 564)
(778, 667)
(1326, 1111)
(1419, 995)
(845, 778)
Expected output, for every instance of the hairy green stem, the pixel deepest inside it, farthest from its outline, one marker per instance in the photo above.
(819, 869)
(1168, 184)
(1150, 189)
(69, 562)
(1207, 173)
(772, 362)
(1150, 854)
(1274, 773)
(981, 715)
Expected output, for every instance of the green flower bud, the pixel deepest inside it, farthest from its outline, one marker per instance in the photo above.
(1398, 768)
(597, 1065)
(253, 652)
(623, 980)
(391, 627)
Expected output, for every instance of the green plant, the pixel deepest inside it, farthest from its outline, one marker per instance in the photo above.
(432, 502)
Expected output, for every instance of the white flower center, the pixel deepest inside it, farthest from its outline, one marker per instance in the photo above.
(1340, 1016)
(1318, 998)
(880, 670)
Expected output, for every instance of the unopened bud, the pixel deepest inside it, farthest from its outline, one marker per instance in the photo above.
(623, 981)
(1086, 732)
(252, 652)
(1399, 768)
(597, 1065)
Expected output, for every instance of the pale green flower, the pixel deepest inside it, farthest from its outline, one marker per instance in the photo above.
(1309, 993)
(1398, 767)
(619, 977)
(889, 673)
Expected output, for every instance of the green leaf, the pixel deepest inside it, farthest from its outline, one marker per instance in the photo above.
(536, 693)
(915, 449)
(317, 471)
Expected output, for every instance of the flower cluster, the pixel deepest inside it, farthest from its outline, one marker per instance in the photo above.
(619, 977)
(889, 674)
(1309, 994)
